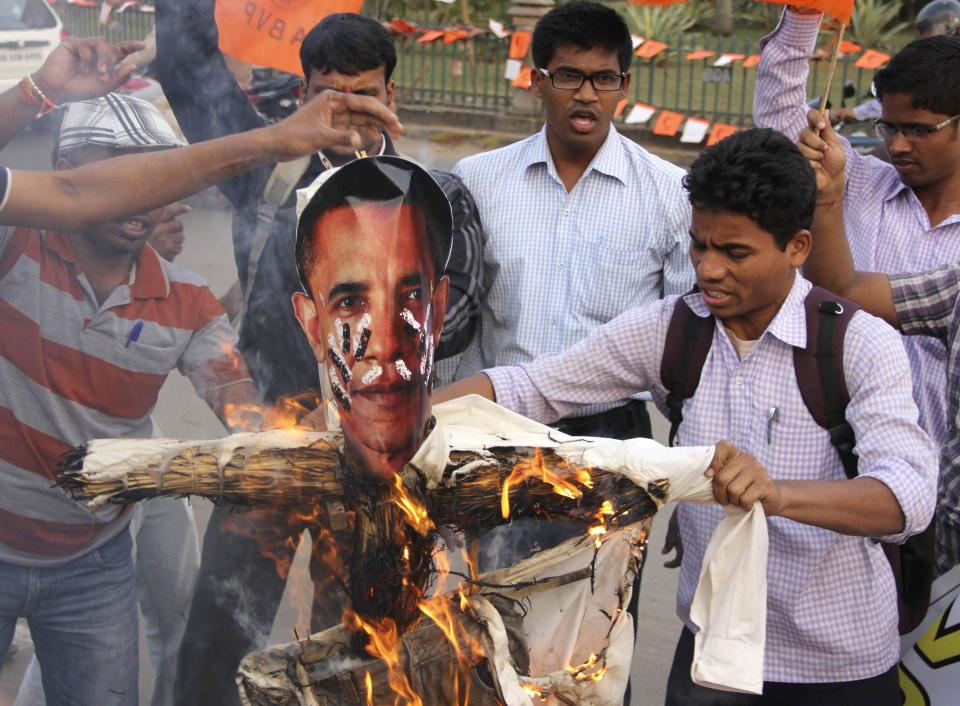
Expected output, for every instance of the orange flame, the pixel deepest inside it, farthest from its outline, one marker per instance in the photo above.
(416, 514)
(591, 670)
(599, 530)
(368, 682)
(285, 413)
(533, 468)
(384, 644)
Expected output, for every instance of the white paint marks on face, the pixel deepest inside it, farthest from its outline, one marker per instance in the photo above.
(403, 369)
(411, 320)
(426, 351)
(342, 397)
(362, 336)
(372, 374)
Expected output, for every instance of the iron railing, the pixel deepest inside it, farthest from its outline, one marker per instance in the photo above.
(469, 74)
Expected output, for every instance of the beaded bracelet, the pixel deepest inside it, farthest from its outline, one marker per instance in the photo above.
(31, 94)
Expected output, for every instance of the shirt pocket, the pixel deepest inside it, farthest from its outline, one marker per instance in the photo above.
(608, 276)
(798, 448)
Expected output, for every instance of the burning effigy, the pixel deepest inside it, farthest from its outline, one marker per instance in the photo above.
(395, 474)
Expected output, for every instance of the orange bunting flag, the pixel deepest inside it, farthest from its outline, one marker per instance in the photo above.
(650, 49)
(872, 59)
(848, 47)
(668, 123)
(402, 27)
(621, 106)
(454, 35)
(720, 131)
(751, 61)
(524, 78)
(270, 32)
(520, 45)
(700, 54)
(838, 9)
(431, 36)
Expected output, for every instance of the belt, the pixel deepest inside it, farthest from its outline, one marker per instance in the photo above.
(619, 421)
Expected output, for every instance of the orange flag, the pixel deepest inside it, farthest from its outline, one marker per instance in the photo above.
(454, 35)
(524, 78)
(838, 9)
(720, 131)
(430, 36)
(270, 32)
(751, 61)
(668, 123)
(519, 44)
(650, 49)
(872, 59)
(700, 54)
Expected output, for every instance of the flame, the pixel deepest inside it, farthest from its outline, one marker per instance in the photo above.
(599, 530)
(416, 514)
(584, 478)
(532, 691)
(384, 644)
(285, 413)
(536, 467)
(591, 670)
(368, 682)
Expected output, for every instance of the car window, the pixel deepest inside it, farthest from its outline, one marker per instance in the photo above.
(25, 14)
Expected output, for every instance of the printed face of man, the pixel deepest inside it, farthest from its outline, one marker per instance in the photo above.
(373, 319)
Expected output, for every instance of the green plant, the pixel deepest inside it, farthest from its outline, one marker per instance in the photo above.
(873, 24)
(669, 21)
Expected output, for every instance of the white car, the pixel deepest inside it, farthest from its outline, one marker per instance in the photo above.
(29, 31)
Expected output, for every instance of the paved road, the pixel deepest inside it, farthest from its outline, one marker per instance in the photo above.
(208, 252)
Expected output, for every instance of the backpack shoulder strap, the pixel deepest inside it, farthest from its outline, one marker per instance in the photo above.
(685, 351)
(819, 370)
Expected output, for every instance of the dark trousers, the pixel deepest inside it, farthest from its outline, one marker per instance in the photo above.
(235, 601)
(881, 690)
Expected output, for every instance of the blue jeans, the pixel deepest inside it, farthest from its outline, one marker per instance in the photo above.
(83, 621)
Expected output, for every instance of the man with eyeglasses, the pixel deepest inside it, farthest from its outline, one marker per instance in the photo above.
(581, 222)
(902, 216)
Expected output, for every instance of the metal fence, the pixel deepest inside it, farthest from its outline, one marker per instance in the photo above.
(469, 74)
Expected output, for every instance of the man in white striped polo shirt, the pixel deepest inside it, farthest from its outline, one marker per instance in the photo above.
(92, 323)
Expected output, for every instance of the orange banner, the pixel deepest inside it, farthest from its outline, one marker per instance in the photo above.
(668, 123)
(519, 44)
(270, 32)
(872, 59)
(524, 78)
(720, 131)
(650, 49)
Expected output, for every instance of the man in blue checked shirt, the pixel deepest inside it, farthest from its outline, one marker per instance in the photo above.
(831, 606)
(581, 223)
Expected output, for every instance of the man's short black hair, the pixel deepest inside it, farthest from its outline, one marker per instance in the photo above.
(760, 174)
(348, 44)
(385, 180)
(584, 25)
(928, 70)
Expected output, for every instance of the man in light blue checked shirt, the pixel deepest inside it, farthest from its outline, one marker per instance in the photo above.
(831, 636)
(581, 223)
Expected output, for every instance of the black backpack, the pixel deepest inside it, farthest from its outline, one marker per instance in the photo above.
(819, 371)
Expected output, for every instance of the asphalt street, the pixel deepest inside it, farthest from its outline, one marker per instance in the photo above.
(208, 252)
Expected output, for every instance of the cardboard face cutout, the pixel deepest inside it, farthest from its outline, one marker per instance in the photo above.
(372, 243)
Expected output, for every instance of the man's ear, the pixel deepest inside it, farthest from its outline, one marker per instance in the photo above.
(799, 248)
(306, 310)
(536, 82)
(392, 95)
(439, 304)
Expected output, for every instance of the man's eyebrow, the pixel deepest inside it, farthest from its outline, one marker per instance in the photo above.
(414, 279)
(339, 290)
(725, 246)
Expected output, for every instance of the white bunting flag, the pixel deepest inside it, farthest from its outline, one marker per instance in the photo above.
(513, 69)
(497, 29)
(694, 131)
(639, 114)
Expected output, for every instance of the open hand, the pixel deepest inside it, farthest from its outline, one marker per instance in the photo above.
(820, 144)
(332, 119)
(84, 68)
(739, 479)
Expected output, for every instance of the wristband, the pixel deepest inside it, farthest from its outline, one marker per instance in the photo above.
(31, 94)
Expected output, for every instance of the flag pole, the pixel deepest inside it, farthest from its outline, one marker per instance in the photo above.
(833, 67)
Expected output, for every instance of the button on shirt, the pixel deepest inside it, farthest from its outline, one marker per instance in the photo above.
(831, 607)
(558, 264)
(888, 229)
(928, 304)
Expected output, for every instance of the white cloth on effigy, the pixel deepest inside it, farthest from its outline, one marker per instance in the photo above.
(566, 624)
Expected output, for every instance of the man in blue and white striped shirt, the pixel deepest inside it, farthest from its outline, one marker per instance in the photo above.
(581, 223)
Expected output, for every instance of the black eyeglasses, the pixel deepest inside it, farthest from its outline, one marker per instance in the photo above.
(911, 132)
(572, 80)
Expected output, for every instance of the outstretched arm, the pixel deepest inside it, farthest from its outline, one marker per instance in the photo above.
(830, 264)
(75, 70)
(73, 198)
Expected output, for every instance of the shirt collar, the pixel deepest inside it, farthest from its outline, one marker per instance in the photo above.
(151, 279)
(611, 159)
(790, 323)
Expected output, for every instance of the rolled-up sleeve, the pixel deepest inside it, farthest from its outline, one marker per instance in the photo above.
(927, 303)
(620, 359)
(890, 443)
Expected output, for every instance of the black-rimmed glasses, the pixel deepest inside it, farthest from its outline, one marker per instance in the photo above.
(572, 80)
(911, 132)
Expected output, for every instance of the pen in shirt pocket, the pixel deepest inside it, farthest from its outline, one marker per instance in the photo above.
(134, 334)
(773, 416)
